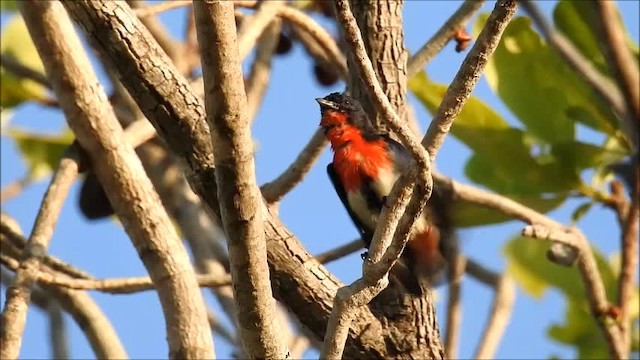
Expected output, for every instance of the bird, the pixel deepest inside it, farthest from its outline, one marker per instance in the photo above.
(365, 166)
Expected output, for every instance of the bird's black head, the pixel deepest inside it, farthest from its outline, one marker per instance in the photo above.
(338, 109)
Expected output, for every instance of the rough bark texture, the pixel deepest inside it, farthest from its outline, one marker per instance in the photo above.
(381, 24)
(91, 118)
(163, 95)
(298, 280)
(238, 193)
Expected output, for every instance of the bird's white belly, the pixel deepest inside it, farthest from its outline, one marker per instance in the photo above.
(382, 187)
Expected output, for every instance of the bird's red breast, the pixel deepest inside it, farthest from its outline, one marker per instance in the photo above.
(355, 158)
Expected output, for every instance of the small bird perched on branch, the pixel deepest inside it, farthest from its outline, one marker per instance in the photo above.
(365, 167)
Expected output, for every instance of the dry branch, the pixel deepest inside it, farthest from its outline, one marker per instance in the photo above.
(446, 32)
(240, 200)
(90, 319)
(275, 190)
(14, 314)
(91, 117)
(613, 41)
(300, 282)
(594, 287)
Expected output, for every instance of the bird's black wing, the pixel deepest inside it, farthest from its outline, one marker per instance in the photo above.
(365, 234)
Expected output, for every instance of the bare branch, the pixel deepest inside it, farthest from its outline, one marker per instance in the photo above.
(159, 32)
(629, 262)
(341, 251)
(91, 320)
(454, 308)
(446, 32)
(505, 294)
(20, 70)
(613, 42)
(240, 201)
(15, 188)
(305, 22)
(261, 68)
(276, 189)
(594, 287)
(582, 66)
(218, 328)
(128, 285)
(318, 52)
(57, 332)
(127, 186)
(14, 314)
(467, 77)
(151, 10)
(253, 27)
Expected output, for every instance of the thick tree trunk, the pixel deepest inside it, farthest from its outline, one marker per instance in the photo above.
(381, 26)
(410, 326)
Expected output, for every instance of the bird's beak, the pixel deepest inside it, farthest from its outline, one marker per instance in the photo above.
(326, 104)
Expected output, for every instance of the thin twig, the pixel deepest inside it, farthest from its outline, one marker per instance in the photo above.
(454, 308)
(276, 189)
(252, 28)
(57, 332)
(305, 22)
(218, 328)
(260, 71)
(14, 314)
(499, 317)
(13, 237)
(582, 66)
(128, 285)
(594, 287)
(318, 52)
(446, 32)
(629, 262)
(151, 10)
(468, 76)
(240, 201)
(21, 70)
(14, 188)
(340, 251)
(86, 313)
(613, 42)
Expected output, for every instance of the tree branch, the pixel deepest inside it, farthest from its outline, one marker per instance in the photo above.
(446, 32)
(91, 320)
(300, 282)
(128, 285)
(239, 195)
(276, 189)
(454, 308)
(613, 42)
(130, 192)
(253, 27)
(467, 77)
(57, 332)
(505, 293)
(14, 314)
(594, 287)
(629, 262)
(261, 68)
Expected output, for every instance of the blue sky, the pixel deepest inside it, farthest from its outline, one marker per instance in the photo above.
(312, 210)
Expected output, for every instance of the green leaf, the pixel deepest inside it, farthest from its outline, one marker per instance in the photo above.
(575, 20)
(465, 214)
(520, 174)
(528, 264)
(40, 152)
(581, 211)
(539, 88)
(475, 116)
(579, 155)
(8, 5)
(16, 43)
(502, 159)
(580, 330)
